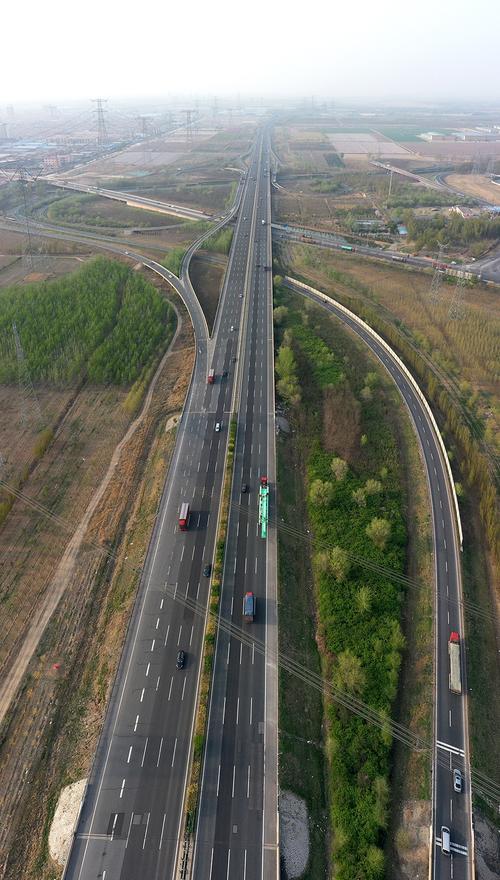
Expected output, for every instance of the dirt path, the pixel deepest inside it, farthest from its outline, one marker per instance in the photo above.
(65, 569)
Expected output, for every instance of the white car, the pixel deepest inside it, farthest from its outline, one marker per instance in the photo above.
(218, 426)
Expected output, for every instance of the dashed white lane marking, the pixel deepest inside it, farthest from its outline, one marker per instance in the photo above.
(218, 780)
(129, 828)
(173, 755)
(238, 711)
(161, 604)
(191, 636)
(228, 651)
(159, 753)
(142, 695)
(166, 635)
(157, 683)
(234, 776)
(170, 688)
(180, 632)
(144, 752)
(147, 669)
(162, 829)
(121, 789)
(248, 782)
(251, 709)
(136, 723)
(253, 652)
(183, 689)
(241, 651)
(153, 644)
(157, 622)
(146, 831)
(129, 754)
(224, 710)
(449, 717)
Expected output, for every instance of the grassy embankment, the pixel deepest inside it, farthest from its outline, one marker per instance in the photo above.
(84, 209)
(346, 443)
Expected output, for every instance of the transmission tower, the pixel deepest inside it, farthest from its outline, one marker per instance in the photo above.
(30, 408)
(458, 309)
(102, 133)
(437, 278)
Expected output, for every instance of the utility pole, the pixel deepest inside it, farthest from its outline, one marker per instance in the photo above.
(457, 309)
(102, 133)
(437, 278)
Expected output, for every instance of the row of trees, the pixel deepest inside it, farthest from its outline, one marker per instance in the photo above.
(103, 321)
(451, 230)
(354, 512)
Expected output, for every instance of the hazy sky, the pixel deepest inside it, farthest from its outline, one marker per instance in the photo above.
(430, 49)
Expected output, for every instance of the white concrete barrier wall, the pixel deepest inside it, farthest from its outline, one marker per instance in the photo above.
(410, 379)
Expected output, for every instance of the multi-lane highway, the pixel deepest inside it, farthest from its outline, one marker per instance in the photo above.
(131, 820)
(236, 834)
(451, 749)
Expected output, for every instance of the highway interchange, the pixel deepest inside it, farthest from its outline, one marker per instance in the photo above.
(131, 820)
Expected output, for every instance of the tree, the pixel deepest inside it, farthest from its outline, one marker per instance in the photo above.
(366, 394)
(373, 487)
(339, 468)
(364, 600)
(340, 565)
(322, 561)
(371, 379)
(378, 531)
(277, 280)
(359, 496)
(348, 674)
(320, 492)
(279, 314)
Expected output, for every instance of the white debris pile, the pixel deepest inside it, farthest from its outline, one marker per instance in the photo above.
(294, 834)
(63, 823)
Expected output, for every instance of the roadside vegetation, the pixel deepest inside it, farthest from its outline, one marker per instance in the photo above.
(456, 364)
(104, 322)
(173, 260)
(473, 235)
(355, 500)
(220, 243)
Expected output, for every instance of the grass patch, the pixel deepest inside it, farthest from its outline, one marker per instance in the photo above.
(302, 762)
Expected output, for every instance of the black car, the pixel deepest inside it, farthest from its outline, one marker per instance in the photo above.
(244, 487)
(207, 570)
(224, 374)
(181, 659)
(234, 360)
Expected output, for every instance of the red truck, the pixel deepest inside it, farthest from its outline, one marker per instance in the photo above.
(184, 517)
(211, 377)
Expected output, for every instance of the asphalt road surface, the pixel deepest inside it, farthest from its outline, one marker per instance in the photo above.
(451, 748)
(236, 834)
